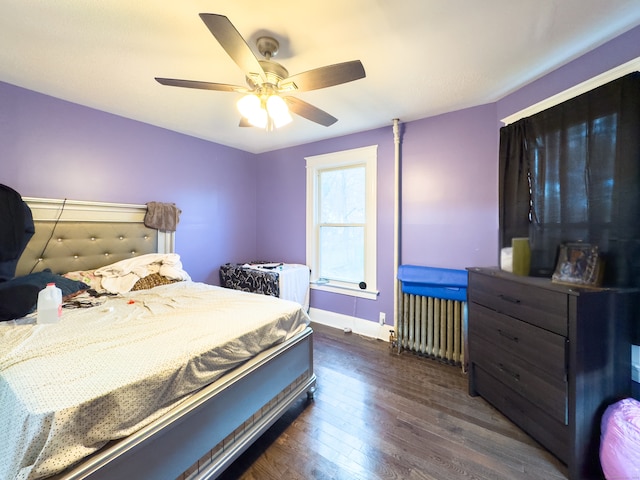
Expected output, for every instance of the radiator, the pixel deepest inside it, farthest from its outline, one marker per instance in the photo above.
(431, 313)
(431, 326)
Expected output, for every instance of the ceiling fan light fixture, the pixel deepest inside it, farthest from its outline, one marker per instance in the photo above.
(248, 105)
(260, 119)
(278, 111)
(264, 114)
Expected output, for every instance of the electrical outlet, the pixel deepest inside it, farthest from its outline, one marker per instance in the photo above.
(382, 318)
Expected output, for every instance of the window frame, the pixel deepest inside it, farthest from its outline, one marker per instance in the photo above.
(367, 156)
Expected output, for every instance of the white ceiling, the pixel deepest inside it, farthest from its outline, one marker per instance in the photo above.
(421, 57)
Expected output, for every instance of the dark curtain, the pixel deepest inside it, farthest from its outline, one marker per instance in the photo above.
(514, 197)
(580, 165)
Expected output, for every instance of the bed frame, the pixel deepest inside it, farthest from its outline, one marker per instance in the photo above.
(201, 437)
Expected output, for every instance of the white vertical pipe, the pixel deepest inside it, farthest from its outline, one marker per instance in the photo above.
(396, 223)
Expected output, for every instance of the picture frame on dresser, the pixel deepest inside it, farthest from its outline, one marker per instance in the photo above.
(579, 264)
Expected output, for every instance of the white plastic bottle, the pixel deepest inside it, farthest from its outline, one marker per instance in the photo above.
(49, 304)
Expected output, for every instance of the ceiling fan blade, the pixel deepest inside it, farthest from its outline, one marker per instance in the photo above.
(222, 87)
(324, 77)
(308, 111)
(244, 122)
(233, 43)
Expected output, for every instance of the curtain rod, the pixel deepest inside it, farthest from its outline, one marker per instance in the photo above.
(594, 82)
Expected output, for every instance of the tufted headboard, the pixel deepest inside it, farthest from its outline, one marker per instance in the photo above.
(87, 235)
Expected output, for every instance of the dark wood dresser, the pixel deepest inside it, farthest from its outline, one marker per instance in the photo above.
(551, 358)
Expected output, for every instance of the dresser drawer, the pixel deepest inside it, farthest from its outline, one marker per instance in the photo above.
(548, 393)
(541, 307)
(527, 415)
(545, 351)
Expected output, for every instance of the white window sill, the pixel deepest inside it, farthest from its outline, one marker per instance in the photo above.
(344, 290)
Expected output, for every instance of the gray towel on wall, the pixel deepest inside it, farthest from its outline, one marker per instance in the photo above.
(162, 216)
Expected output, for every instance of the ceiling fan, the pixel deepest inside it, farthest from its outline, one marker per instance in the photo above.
(266, 102)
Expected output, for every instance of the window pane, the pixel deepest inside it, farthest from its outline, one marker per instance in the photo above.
(342, 195)
(342, 253)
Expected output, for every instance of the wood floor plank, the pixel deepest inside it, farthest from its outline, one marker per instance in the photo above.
(380, 415)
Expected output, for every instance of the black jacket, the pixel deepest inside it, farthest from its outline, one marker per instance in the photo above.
(16, 229)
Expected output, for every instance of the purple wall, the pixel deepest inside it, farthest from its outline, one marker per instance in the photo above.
(55, 149)
(450, 190)
(52, 148)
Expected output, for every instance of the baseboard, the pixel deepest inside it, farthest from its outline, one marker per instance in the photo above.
(356, 325)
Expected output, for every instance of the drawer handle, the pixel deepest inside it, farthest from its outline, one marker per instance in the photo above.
(509, 372)
(507, 336)
(509, 299)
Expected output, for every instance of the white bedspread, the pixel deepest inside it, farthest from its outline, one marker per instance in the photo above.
(102, 373)
(120, 277)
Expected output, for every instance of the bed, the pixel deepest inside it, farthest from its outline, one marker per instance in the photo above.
(181, 430)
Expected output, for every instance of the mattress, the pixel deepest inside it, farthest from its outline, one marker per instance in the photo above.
(104, 372)
(289, 281)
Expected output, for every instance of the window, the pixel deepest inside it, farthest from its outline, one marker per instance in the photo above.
(341, 221)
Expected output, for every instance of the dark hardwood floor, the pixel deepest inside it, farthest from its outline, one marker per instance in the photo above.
(379, 415)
